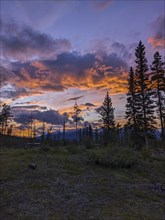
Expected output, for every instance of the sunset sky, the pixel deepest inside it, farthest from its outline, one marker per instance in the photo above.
(54, 53)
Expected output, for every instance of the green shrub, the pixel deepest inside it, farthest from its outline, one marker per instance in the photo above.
(115, 157)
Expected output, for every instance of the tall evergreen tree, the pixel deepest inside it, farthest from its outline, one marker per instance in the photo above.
(5, 117)
(158, 86)
(107, 115)
(131, 101)
(144, 102)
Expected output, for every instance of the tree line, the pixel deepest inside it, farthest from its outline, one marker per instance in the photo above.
(145, 107)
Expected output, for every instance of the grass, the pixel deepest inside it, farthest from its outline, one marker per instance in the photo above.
(68, 184)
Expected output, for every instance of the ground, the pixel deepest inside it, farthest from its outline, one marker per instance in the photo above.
(67, 185)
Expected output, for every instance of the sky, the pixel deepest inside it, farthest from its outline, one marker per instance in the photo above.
(55, 53)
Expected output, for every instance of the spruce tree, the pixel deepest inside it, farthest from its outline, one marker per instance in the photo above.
(5, 117)
(131, 101)
(107, 116)
(158, 86)
(144, 102)
(131, 111)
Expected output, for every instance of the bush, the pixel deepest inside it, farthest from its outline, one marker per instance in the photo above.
(115, 157)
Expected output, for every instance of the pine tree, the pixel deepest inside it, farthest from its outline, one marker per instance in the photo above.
(107, 115)
(131, 111)
(144, 102)
(5, 117)
(158, 86)
(131, 101)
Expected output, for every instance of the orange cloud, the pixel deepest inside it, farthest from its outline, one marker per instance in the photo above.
(70, 70)
(156, 42)
(158, 38)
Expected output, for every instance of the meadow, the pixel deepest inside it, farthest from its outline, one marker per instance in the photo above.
(73, 182)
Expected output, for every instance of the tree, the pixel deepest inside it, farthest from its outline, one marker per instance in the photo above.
(144, 102)
(107, 116)
(158, 86)
(131, 100)
(131, 105)
(5, 117)
(76, 115)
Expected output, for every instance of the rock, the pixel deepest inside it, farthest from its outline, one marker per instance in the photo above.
(33, 166)
(163, 187)
(159, 187)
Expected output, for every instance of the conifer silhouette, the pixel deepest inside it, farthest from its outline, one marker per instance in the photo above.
(158, 86)
(144, 102)
(107, 116)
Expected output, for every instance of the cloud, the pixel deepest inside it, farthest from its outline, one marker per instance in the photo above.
(30, 107)
(24, 43)
(75, 98)
(123, 51)
(13, 92)
(158, 39)
(89, 104)
(67, 70)
(50, 116)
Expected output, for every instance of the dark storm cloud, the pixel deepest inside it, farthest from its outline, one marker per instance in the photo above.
(158, 38)
(50, 116)
(25, 43)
